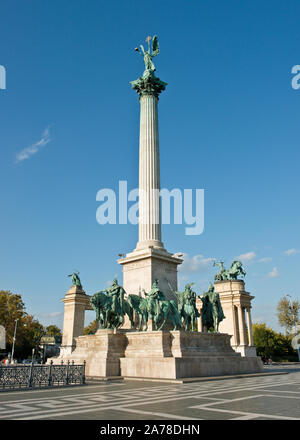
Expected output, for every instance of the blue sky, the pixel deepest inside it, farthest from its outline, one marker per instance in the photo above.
(229, 123)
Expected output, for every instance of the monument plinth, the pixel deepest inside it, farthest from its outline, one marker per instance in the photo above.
(149, 260)
(76, 303)
(178, 354)
(159, 355)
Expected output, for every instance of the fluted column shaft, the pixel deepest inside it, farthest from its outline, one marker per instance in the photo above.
(249, 321)
(242, 327)
(149, 175)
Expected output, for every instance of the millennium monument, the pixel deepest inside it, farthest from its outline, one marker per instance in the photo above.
(147, 329)
(149, 260)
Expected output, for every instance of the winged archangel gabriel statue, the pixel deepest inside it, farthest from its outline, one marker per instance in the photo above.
(148, 56)
(149, 83)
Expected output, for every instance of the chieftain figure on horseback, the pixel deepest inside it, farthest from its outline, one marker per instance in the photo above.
(111, 306)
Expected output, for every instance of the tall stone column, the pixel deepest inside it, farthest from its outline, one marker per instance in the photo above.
(149, 175)
(149, 260)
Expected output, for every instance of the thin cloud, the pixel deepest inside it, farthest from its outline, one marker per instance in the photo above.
(246, 257)
(52, 314)
(265, 260)
(291, 252)
(26, 153)
(195, 263)
(274, 273)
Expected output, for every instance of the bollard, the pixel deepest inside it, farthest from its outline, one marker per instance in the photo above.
(50, 374)
(83, 373)
(31, 374)
(67, 373)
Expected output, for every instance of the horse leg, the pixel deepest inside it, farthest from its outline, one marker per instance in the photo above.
(187, 323)
(192, 321)
(130, 314)
(165, 315)
(140, 322)
(163, 323)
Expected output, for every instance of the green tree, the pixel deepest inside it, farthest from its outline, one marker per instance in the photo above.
(283, 347)
(264, 339)
(53, 330)
(288, 313)
(30, 334)
(29, 330)
(11, 308)
(91, 328)
(272, 344)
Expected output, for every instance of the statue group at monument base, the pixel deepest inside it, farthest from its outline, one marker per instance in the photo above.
(159, 355)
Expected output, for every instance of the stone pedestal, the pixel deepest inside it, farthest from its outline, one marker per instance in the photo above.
(158, 355)
(177, 354)
(76, 302)
(101, 351)
(141, 268)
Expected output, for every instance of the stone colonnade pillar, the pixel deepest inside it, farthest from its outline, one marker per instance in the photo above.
(235, 302)
(76, 302)
(249, 323)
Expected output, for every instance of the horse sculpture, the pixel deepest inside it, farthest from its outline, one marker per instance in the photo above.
(235, 270)
(107, 318)
(139, 305)
(168, 309)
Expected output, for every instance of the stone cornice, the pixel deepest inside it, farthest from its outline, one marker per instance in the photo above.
(149, 253)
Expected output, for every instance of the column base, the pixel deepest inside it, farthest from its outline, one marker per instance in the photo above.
(141, 267)
(156, 244)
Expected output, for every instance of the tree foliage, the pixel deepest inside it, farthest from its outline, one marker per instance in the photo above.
(53, 330)
(91, 328)
(29, 330)
(272, 344)
(288, 313)
(11, 308)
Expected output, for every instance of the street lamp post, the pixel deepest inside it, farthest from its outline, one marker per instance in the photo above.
(295, 325)
(14, 340)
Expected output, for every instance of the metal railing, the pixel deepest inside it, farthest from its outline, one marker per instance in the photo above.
(38, 376)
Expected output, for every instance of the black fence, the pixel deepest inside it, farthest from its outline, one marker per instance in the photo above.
(38, 376)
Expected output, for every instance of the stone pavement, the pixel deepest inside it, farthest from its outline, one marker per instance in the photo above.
(249, 398)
